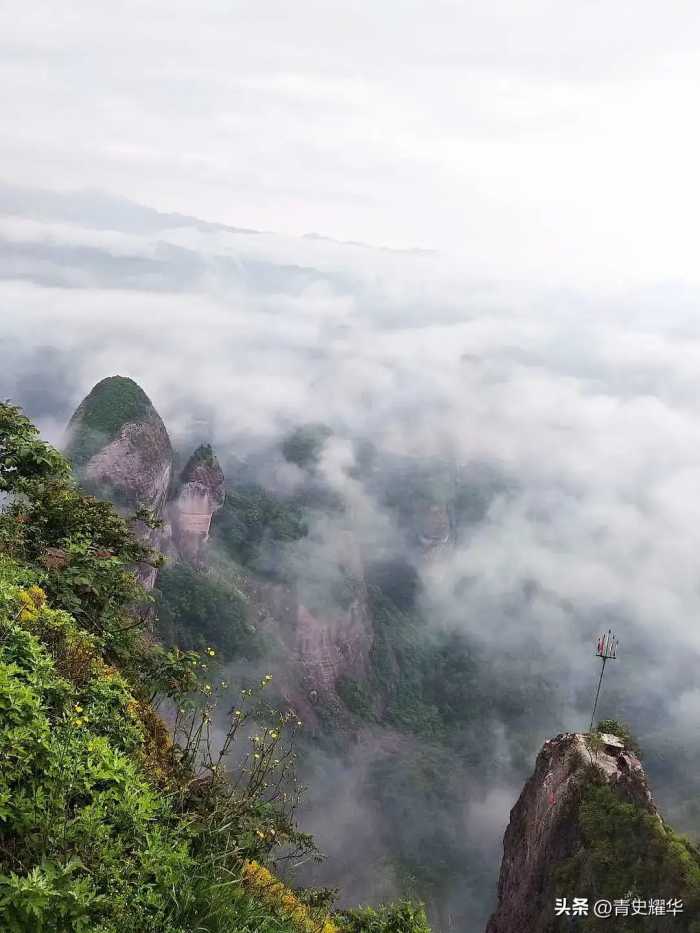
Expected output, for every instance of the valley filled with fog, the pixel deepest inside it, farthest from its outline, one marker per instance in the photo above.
(527, 457)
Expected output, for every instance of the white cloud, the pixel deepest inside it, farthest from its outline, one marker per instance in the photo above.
(551, 140)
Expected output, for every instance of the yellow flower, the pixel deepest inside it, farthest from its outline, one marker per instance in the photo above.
(38, 595)
(276, 895)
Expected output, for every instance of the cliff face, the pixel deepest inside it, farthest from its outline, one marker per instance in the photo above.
(201, 492)
(135, 468)
(545, 832)
(121, 451)
(324, 640)
(119, 446)
(335, 642)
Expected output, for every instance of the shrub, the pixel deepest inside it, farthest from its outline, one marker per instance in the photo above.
(254, 521)
(627, 851)
(403, 917)
(356, 697)
(197, 610)
(621, 730)
(304, 445)
(284, 901)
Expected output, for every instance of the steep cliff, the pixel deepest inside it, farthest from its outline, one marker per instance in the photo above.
(201, 492)
(319, 616)
(586, 826)
(120, 450)
(119, 446)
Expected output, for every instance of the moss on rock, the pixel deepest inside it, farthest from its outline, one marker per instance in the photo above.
(102, 414)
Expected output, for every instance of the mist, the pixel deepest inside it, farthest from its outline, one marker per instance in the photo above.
(581, 407)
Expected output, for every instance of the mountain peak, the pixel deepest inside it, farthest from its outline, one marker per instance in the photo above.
(119, 446)
(111, 403)
(586, 826)
(201, 492)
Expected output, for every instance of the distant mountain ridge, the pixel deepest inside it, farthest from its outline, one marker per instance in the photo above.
(103, 211)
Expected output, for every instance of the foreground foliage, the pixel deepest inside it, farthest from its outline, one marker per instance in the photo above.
(400, 918)
(108, 821)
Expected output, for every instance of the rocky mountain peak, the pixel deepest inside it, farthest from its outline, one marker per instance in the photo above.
(121, 451)
(586, 795)
(119, 446)
(201, 491)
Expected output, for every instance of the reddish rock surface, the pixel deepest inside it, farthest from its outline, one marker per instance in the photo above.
(543, 830)
(135, 466)
(134, 470)
(323, 644)
(201, 492)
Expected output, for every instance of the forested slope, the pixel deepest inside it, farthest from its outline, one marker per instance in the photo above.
(109, 819)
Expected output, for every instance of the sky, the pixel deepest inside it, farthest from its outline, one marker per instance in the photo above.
(549, 140)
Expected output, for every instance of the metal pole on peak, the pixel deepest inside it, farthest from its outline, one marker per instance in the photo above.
(606, 650)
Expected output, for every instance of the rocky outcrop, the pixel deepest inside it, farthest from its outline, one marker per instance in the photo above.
(544, 829)
(121, 451)
(327, 639)
(201, 492)
(334, 640)
(119, 446)
(133, 470)
(333, 645)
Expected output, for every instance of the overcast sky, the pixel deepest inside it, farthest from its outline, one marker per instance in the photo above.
(537, 138)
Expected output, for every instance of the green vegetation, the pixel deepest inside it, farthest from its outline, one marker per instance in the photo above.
(253, 518)
(356, 697)
(203, 454)
(628, 852)
(621, 730)
(442, 694)
(428, 680)
(108, 822)
(304, 445)
(400, 918)
(110, 405)
(197, 610)
(91, 841)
